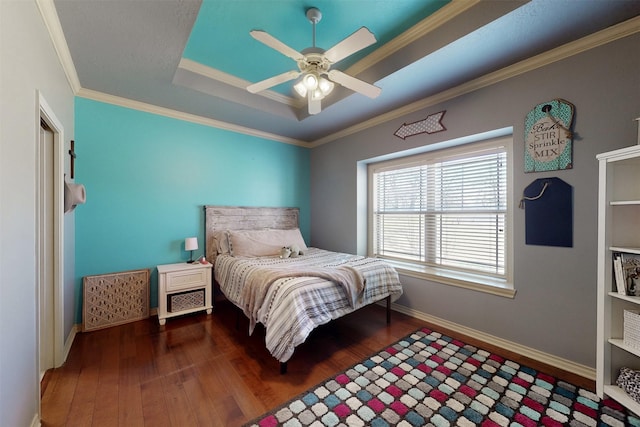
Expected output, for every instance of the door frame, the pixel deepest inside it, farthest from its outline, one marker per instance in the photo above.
(46, 114)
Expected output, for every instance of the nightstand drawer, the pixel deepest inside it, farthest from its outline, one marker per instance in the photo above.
(183, 288)
(185, 279)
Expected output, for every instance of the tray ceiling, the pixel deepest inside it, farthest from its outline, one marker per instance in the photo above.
(197, 57)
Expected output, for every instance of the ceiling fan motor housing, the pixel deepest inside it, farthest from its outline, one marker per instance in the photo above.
(314, 61)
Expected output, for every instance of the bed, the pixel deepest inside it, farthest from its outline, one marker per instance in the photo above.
(290, 296)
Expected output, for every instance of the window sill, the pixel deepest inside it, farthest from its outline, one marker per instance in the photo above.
(470, 281)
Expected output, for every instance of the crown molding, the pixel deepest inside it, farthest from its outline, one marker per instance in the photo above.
(231, 80)
(193, 118)
(613, 33)
(52, 22)
(419, 30)
(608, 35)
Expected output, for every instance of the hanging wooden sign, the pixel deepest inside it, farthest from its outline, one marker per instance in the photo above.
(432, 124)
(548, 137)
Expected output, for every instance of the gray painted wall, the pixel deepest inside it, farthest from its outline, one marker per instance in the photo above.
(554, 309)
(29, 64)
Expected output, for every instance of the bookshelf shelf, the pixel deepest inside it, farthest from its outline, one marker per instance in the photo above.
(618, 342)
(625, 250)
(618, 394)
(631, 299)
(625, 203)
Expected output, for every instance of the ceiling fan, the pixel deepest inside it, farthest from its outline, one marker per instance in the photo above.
(314, 65)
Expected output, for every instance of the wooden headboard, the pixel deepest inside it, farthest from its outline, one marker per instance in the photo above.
(244, 218)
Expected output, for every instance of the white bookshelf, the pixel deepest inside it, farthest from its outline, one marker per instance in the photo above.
(618, 231)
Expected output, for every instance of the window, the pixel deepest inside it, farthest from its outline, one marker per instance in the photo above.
(445, 213)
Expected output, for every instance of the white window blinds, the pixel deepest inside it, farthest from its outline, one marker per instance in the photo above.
(445, 211)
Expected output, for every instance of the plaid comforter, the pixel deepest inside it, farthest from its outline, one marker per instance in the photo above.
(290, 307)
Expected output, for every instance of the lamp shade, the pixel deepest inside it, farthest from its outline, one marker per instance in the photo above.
(191, 244)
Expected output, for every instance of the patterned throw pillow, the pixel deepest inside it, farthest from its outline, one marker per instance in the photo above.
(629, 381)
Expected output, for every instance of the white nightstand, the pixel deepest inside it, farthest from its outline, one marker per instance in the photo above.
(183, 288)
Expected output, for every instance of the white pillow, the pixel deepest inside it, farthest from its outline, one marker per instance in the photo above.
(267, 242)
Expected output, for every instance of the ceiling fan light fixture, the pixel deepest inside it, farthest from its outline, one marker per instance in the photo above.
(310, 81)
(301, 89)
(316, 94)
(325, 85)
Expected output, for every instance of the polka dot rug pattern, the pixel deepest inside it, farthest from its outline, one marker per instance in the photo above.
(429, 379)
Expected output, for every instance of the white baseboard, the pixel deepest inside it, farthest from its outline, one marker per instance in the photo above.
(532, 353)
(69, 342)
(35, 422)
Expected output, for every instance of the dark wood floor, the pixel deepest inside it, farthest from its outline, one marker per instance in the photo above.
(199, 370)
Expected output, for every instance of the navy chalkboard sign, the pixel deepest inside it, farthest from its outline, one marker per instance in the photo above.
(548, 205)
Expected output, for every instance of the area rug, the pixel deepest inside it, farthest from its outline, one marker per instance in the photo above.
(430, 379)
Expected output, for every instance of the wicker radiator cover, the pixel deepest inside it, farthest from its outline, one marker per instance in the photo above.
(115, 298)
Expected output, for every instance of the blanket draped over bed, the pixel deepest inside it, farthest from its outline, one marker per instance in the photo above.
(292, 296)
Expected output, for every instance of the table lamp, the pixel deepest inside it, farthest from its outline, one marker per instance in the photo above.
(191, 244)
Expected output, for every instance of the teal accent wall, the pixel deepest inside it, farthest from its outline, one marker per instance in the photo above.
(148, 176)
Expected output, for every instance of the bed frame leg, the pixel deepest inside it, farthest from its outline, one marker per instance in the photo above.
(283, 368)
(388, 310)
(237, 319)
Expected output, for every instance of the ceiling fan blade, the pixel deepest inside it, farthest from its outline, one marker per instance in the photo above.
(353, 43)
(314, 105)
(354, 84)
(276, 44)
(273, 81)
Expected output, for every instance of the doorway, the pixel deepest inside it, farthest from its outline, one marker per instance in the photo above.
(49, 251)
(46, 253)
